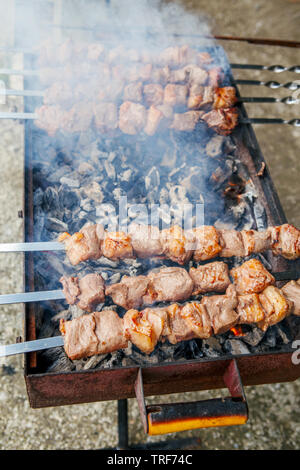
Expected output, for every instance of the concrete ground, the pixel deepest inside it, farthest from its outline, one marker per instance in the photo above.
(274, 409)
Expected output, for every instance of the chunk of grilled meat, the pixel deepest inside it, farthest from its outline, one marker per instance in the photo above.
(275, 305)
(207, 243)
(130, 292)
(223, 121)
(186, 121)
(132, 117)
(286, 241)
(291, 291)
(117, 245)
(96, 333)
(177, 245)
(87, 292)
(85, 244)
(154, 94)
(170, 284)
(141, 331)
(222, 310)
(224, 97)
(212, 277)
(251, 277)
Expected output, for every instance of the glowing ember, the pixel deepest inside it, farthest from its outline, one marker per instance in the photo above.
(237, 331)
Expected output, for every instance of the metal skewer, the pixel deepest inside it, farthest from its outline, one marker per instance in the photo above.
(41, 296)
(270, 68)
(270, 84)
(258, 99)
(291, 122)
(30, 346)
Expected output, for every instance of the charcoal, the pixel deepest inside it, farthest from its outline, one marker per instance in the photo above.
(71, 182)
(254, 336)
(270, 337)
(51, 200)
(94, 192)
(85, 168)
(283, 333)
(215, 146)
(51, 223)
(61, 364)
(69, 198)
(56, 175)
(235, 347)
(211, 347)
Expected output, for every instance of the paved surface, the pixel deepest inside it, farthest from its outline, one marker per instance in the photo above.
(274, 409)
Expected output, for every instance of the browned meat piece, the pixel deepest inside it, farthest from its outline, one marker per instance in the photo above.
(178, 56)
(59, 92)
(208, 96)
(291, 291)
(225, 97)
(167, 112)
(133, 92)
(223, 121)
(171, 56)
(95, 51)
(132, 117)
(162, 313)
(231, 242)
(85, 244)
(175, 94)
(117, 245)
(179, 75)
(185, 121)
(79, 118)
(212, 277)
(176, 244)
(251, 277)
(215, 76)
(195, 98)
(129, 292)
(221, 310)
(96, 333)
(276, 306)
(70, 289)
(181, 330)
(197, 75)
(141, 332)
(256, 242)
(161, 75)
(145, 240)
(106, 116)
(286, 241)
(250, 309)
(154, 118)
(51, 119)
(154, 94)
(206, 243)
(116, 54)
(91, 291)
(169, 284)
(197, 318)
(146, 72)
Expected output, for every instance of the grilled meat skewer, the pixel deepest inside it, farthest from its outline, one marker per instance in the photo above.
(103, 332)
(171, 284)
(201, 243)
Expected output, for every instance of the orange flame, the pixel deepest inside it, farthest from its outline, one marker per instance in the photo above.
(237, 331)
